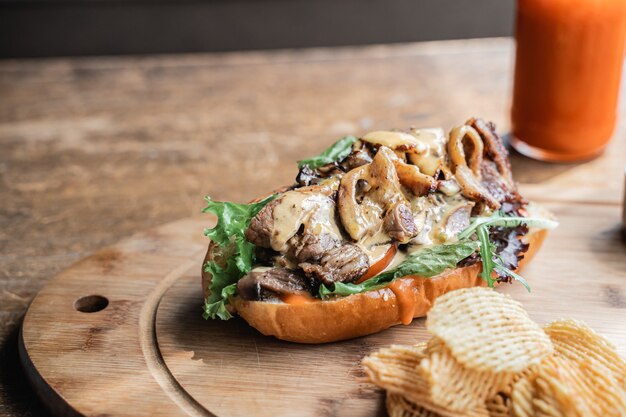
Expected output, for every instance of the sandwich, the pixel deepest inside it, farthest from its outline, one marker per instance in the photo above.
(372, 232)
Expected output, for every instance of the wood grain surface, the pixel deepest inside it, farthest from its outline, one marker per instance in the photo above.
(150, 353)
(95, 149)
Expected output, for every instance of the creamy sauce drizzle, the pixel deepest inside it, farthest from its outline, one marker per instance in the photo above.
(315, 211)
(375, 246)
(422, 147)
(430, 161)
(395, 140)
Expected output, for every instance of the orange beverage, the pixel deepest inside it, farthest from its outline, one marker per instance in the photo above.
(567, 74)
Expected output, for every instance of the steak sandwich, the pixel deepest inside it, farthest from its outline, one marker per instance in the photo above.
(373, 231)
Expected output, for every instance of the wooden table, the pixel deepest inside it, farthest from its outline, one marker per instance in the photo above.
(92, 150)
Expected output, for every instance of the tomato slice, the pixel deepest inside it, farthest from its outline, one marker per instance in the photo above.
(378, 267)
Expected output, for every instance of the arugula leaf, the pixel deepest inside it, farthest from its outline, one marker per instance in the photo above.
(487, 251)
(499, 219)
(335, 152)
(506, 271)
(426, 263)
(490, 259)
(229, 234)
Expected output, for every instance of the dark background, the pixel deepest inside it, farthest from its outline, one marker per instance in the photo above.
(42, 28)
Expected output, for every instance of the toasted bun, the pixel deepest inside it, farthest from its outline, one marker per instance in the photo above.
(359, 314)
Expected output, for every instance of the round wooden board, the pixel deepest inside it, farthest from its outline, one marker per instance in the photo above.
(150, 353)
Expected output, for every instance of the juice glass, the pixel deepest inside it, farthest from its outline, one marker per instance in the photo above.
(567, 75)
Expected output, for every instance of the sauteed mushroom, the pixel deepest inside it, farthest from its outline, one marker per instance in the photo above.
(370, 196)
(468, 170)
(411, 177)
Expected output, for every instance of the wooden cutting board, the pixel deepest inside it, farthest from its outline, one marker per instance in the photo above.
(121, 334)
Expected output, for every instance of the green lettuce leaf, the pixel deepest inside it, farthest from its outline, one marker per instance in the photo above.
(427, 262)
(229, 234)
(499, 219)
(335, 152)
(217, 309)
(490, 259)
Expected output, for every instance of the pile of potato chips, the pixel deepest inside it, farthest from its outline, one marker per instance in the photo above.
(488, 358)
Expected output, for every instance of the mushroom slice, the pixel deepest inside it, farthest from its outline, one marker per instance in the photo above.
(457, 148)
(467, 168)
(411, 177)
(398, 141)
(431, 161)
(370, 197)
(424, 148)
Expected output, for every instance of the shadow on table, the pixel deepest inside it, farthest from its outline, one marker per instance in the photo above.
(530, 171)
(609, 247)
(18, 397)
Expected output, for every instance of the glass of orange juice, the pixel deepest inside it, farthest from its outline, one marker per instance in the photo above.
(567, 75)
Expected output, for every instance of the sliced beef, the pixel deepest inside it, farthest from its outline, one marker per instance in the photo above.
(264, 256)
(495, 169)
(268, 284)
(494, 182)
(260, 230)
(344, 263)
(399, 223)
(458, 220)
(494, 149)
(311, 206)
(309, 247)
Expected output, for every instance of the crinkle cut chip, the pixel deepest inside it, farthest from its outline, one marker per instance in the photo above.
(488, 331)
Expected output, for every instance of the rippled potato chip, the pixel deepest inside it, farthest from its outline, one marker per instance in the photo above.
(455, 387)
(498, 406)
(522, 396)
(578, 342)
(488, 359)
(557, 390)
(395, 369)
(399, 406)
(560, 386)
(487, 331)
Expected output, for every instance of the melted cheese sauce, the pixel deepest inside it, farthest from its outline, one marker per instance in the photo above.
(375, 246)
(315, 211)
(422, 147)
(432, 160)
(431, 216)
(395, 140)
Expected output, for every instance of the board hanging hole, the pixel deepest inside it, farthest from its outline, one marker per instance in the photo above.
(91, 303)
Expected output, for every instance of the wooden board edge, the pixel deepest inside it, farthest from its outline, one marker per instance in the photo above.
(48, 396)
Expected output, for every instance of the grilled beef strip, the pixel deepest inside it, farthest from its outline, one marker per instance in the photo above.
(344, 263)
(272, 283)
(321, 257)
